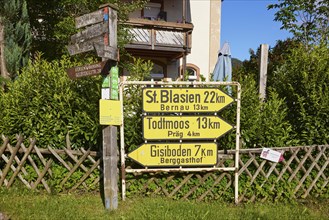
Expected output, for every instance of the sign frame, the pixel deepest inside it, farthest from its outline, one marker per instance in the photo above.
(233, 168)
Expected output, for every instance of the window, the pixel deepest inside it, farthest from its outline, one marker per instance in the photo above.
(192, 73)
(153, 10)
(192, 70)
(157, 73)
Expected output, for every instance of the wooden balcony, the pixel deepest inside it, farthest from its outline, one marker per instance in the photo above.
(159, 39)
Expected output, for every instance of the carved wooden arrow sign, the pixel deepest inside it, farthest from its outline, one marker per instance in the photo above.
(88, 19)
(88, 70)
(106, 52)
(85, 46)
(99, 34)
(90, 33)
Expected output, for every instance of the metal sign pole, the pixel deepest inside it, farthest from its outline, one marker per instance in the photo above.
(122, 151)
(237, 146)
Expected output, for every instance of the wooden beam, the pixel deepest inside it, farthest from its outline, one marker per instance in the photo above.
(110, 145)
(159, 24)
(263, 71)
(110, 167)
(3, 70)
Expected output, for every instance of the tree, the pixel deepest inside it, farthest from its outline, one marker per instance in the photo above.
(17, 35)
(276, 57)
(53, 22)
(307, 20)
(3, 70)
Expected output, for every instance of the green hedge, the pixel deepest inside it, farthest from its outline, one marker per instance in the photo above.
(45, 104)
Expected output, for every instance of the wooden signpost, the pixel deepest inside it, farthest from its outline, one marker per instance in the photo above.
(100, 34)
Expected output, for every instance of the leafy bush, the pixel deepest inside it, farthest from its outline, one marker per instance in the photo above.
(263, 124)
(45, 104)
(303, 81)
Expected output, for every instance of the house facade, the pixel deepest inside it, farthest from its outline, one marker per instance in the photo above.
(177, 36)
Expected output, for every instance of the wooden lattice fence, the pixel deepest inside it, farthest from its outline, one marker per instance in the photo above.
(48, 168)
(303, 172)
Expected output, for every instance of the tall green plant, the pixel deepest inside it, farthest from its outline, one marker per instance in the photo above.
(17, 35)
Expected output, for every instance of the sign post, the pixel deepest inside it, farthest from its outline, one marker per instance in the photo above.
(100, 34)
(110, 148)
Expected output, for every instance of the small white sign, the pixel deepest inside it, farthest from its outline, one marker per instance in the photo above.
(271, 155)
(106, 93)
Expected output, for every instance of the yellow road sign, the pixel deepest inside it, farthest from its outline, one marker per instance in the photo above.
(184, 99)
(110, 112)
(184, 127)
(175, 154)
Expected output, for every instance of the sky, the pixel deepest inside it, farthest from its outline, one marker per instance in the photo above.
(247, 24)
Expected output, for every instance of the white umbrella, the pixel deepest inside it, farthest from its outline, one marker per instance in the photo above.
(223, 68)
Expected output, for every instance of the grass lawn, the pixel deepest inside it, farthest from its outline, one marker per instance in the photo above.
(17, 204)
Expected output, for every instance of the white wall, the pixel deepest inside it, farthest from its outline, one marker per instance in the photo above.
(199, 55)
(206, 34)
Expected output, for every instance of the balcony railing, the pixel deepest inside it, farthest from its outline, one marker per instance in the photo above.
(168, 39)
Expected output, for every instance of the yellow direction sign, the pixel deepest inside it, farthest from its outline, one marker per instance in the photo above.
(175, 154)
(184, 99)
(110, 112)
(184, 127)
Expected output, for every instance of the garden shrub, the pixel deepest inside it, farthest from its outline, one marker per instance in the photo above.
(262, 124)
(45, 104)
(303, 82)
